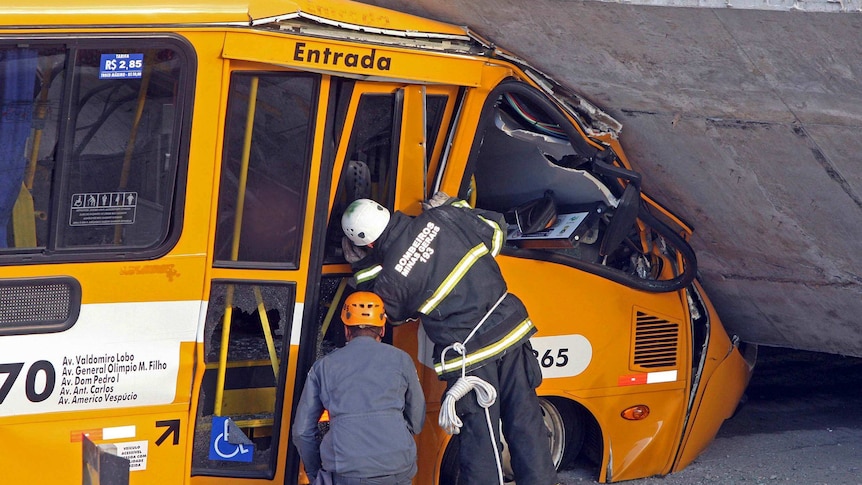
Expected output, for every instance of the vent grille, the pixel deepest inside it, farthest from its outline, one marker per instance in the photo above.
(655, 342)
(38, 305)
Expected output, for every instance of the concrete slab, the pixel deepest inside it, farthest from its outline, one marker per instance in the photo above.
(746, 122)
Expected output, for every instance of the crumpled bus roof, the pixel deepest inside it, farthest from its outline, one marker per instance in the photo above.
(343, 19)
(219, 12)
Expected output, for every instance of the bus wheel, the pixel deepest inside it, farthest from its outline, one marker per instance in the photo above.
(565, 429)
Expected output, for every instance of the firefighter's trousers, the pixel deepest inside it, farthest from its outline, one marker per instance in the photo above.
(515, 376)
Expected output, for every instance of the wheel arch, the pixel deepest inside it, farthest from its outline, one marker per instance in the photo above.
(583, 445)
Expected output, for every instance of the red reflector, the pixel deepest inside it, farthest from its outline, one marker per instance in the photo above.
(93, 434)
(632, 379)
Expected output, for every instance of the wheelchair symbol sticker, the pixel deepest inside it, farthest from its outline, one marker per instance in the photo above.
(228, 443)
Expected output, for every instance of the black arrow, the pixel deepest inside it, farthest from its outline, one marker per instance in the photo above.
(173, 426)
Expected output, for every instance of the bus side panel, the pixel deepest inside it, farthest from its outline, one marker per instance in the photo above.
(585, 345)
(121, 375)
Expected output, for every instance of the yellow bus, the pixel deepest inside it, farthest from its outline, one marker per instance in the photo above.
(171, 180)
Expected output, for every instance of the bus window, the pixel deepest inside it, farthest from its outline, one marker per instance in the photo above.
(240, 394)
(116, 149)
(263, 184)
(369, 170)
(118, 166)
(371, 146)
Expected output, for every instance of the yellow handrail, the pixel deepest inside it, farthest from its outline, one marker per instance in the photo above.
(331, 312)
(234, 255)
(267, 333)
(133, 135)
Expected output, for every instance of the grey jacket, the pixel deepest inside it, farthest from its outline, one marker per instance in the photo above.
(375, 405)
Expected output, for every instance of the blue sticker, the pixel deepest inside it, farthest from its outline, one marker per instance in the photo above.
(121, 66)
(221, 449)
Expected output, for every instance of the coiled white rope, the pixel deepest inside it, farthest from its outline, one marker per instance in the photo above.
(486, 394)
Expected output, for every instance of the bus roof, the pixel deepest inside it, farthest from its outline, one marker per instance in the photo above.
(106, 13)
(339, 19)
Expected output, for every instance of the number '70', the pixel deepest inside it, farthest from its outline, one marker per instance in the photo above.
(33, 395)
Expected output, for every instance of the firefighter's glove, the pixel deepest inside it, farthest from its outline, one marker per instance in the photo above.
(352, 252)
(436, 200)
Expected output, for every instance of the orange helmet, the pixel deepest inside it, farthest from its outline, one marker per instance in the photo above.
(363, 308)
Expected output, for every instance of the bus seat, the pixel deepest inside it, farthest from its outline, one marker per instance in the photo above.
(24, 220)
(624, 218)
(357, 180)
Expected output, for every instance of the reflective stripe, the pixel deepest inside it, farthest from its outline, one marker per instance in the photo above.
(368, 274)
(454, 277)
(498, 236)
(489, 351)
(461, 204)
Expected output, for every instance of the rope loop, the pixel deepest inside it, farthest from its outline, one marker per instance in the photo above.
(486, 396)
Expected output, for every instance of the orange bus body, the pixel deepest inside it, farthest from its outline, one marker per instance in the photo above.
(172, 185)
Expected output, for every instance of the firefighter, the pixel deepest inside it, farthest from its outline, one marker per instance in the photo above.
(439, 267)
(375, 405)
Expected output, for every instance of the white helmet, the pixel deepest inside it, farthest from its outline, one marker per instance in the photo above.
(364, 221)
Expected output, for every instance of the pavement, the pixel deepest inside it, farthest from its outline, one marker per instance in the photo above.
(800, 425)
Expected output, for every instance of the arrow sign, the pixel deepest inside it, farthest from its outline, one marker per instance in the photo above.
(173, 426)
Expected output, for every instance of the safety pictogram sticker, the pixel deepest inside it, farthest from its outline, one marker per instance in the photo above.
(228, 443)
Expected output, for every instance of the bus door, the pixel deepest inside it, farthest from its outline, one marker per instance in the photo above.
(260, 275)
(99, 291)
(390, 136)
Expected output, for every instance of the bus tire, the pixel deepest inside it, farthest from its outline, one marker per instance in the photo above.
(565, 424)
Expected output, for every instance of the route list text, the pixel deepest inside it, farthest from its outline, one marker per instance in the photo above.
(105, 378)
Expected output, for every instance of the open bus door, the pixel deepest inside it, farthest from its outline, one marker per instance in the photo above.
(390, 132)
(259, 276)
(260, 337)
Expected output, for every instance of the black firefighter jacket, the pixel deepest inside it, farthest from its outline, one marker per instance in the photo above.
(440, 265)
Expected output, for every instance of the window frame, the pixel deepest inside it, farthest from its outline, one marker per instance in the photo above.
(305, 183)
(172, 222)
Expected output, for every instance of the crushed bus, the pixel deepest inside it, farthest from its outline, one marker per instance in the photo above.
(171, 181)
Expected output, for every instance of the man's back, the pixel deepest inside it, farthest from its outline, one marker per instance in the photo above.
(375, 405)
(441, 264)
